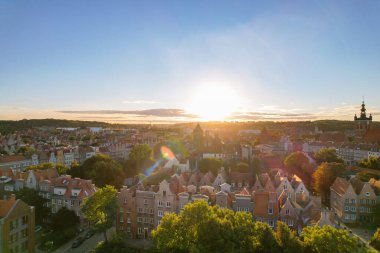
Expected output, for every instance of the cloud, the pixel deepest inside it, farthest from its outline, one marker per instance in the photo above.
(144, 113)
(282, 116)
(140, 102)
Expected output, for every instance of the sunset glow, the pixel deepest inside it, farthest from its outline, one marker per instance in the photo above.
(214, 102)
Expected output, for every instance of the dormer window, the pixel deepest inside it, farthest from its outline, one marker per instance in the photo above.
(287, 211)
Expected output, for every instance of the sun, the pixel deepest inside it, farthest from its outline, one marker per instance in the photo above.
(214, 102)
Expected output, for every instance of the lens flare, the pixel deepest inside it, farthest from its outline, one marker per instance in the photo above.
(150, 170)
(167, 153)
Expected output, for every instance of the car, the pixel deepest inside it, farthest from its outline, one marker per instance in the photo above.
(77, 242)
(89, 234)
(37, 228)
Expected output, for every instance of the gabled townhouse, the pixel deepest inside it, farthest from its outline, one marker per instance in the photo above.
(16, 226)
(145, 213)
(243, 202)
(165, 201)
(36, 176)
(266, 207)
(219, 180)
(352, 200)
(17, 163)
(126, 219)
(240, 180)
(70, 193)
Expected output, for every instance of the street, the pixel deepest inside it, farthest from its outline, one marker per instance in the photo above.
(86, 246)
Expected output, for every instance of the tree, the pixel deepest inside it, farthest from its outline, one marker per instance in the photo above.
(31, 197)
(203, 228)
(25, 150)
(287, 239)
(100, 209)
(64, 219)
(324, 177)
(327, 155)
(101, 169)
(62, 169)
(209, 164)
(257, 165)
(298, 163)
(42, 166)
(242, 167)
(329, 239)
(375, 240)
(371, 163)
(140, 158)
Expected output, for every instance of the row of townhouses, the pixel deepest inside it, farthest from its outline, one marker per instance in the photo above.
(268, 199)
(58, 191)
(353, 200)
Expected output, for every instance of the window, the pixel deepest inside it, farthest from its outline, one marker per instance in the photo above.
(270, 210)
(168, 204)
(140, 231)
(151, 211)
(145, 220)
(145, 202)
(290, 222)
(139, 219)
(346, 208)
(128, 229)
(353, 216)
(373, 202)
(287, 211)
(347, 201)
(164, 193)
(121, 219)
(353, 201)
(271, 223)
(160, 213)
(140, 210)
(353, 209)
(151, 220)
(285, 186)
(347, 216)
(24, 220)
(367, 194)
(128, 220)
(160, 203)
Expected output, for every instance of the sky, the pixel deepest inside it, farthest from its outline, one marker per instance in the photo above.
(173, 61)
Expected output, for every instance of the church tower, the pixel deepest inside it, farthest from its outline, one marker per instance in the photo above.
(198, 138)
(363, 123)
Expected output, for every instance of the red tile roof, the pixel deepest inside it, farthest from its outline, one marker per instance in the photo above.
(372, 135)
(340, 185)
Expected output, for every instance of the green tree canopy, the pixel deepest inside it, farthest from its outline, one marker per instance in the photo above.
(287, 239)
(242, 167)
(297, 163)
(375, 240)
(100, 209)
(31, 197)
(42, 166)
(101, 169)
(327, 155)
(324, 177)
(64, 219)
(371, 163)
(203, 228)
(140, 158)
(329, 239)
(209, 164)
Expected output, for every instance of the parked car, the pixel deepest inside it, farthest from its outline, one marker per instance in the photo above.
(77, 242)
(89, 234)
(37, 228)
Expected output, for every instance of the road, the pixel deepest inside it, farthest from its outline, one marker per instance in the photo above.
(86, 246)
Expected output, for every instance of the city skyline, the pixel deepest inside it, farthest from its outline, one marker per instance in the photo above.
(145, 61)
